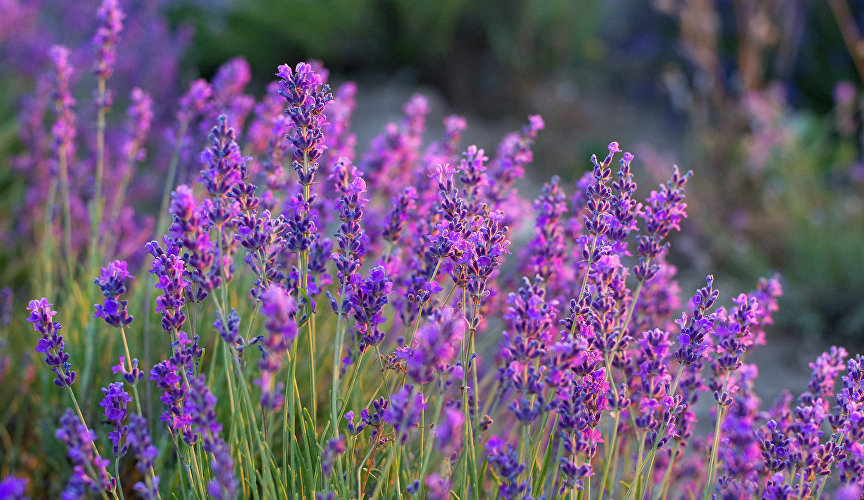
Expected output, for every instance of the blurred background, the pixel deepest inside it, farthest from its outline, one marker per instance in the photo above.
(762, 99)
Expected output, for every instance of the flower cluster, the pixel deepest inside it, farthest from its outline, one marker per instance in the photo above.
(51, 344)
(561, 372)
(112, 282)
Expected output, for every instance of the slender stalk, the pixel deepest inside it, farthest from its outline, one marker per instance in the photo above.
(661, 492)
(62, 163)
(98, 202)
(641, 465)
(48, 241)
(92, 443)
(712, 464)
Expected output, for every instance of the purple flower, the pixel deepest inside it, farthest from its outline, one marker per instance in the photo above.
(694, 338)
(226, 168)
(169, 375)
(334, 448)
(262, 235)
(200, 409)
(63, 131)
(513, 154)
(140, 117)
(825, 371)
(368, 298)
(306, 97)
(547, 250)
(349, 240)
(170, 272)
(51, 344)
(14, 488)
(132, 376)
(437, 487)
(190, 230)
(436, 345)
(404, 410)
(112, 282)
(145, 453)
(450, 431)
(775, 448)
(78, 440)
(280, 309)
(105, 40)
(338, 136)
(392, 155)
(114, 403)
(664, 211)
(505, 460)
(403, 207)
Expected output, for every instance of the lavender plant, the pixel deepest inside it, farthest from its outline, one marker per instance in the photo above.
(374, 342)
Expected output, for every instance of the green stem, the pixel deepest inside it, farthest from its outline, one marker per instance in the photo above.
(661, 492)
(712, 464)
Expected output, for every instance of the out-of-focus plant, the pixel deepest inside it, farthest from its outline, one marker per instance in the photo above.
(516, 42)
(788, 168)
(148, 70)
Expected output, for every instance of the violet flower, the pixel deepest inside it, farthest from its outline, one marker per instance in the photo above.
(664, 210)
(190, 230)
(280, 309)
(169, 270)
(504, 458)
(63, 131)
(138, 439)
(169, 376)
(404, 410)
(200, 408)
(694, 339)
(437, 487)
(392, 155)
(225, 172)
(114, 404)
(110, 24)
(403, 207)
(339, 139)
(436, 345)
(513, 154)
(51, 344)
(131, 377)
(334, 448)
(112, 282)
(306, 98)
(14, 488)
(349, 240)
(368, 296)
(547, 250)
(89, 470)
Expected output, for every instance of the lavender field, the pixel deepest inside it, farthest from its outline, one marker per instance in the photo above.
(213, 291)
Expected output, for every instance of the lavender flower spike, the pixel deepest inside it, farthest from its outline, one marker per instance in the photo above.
(89, 470)
(114, 403)
(107, 35)
(142, 447)
(51, 344)
(112, 282)
(13, 488)
(280, 309)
